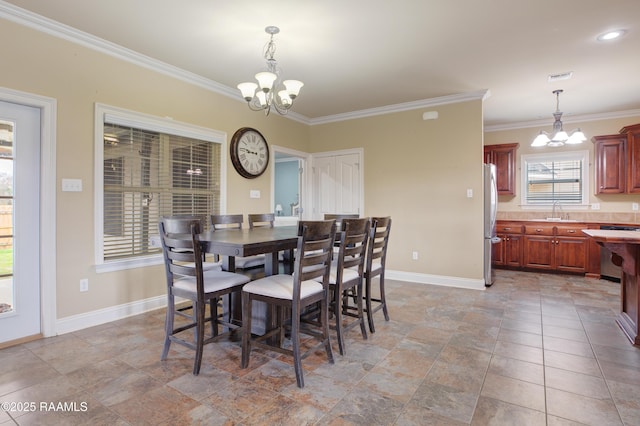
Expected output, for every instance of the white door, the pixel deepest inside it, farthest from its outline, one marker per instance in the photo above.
(19, 221)
(348, 184)
(337, 184)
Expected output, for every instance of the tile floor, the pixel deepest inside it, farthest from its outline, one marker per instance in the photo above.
(534, 349)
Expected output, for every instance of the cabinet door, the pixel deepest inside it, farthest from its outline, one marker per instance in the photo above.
(633, 157)
(610, 158)
(571, 254)
(497, 251)
(513, 250)
(538, 251)
(504, 157)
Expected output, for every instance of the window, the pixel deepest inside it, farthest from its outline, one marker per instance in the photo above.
(555, 178)
(149, 168)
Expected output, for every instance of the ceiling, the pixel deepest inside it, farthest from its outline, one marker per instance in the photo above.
(360, 54)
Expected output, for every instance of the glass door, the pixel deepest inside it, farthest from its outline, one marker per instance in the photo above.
(19, 221)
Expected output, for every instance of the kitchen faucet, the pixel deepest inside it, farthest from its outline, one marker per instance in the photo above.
(556, 204)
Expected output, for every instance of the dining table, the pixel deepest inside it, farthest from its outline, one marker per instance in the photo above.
(230, 243)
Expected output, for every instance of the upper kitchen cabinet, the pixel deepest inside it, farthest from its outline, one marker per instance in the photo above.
(633, 157)
(504, 157)
(617, 162)
(610, 162)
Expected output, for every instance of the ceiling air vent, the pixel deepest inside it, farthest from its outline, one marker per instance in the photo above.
(561, 76)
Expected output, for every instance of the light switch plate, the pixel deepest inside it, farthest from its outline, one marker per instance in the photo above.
(72, 185)
(254, 193)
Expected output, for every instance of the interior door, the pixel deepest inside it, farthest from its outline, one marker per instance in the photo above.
(337, 184)
(19, 221)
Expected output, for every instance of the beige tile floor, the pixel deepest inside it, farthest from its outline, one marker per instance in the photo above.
(534, 349)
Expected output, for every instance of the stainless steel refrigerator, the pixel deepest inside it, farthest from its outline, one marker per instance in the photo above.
(490, 212)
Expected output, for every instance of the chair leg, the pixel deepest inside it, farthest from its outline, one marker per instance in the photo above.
(337, 312)
(324, 318)
(200, 309)
(363, 328)
(383, 298)
(168, 326)
(213, 311)
(295, 340)
(367, 297)
(246, 330)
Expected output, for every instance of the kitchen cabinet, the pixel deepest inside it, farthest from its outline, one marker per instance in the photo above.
(504, 157)
(508, 252)
(633, 158)
(617, 162)
(553, 247)
(610, 160)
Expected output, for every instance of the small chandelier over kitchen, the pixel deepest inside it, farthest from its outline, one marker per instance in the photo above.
(271, 91)
(558, 137)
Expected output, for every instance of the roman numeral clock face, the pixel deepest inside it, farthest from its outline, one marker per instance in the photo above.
(249, 152)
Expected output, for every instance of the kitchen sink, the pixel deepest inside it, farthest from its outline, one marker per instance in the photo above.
(557, 219)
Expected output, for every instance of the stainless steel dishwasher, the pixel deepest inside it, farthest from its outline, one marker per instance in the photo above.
(609, 271)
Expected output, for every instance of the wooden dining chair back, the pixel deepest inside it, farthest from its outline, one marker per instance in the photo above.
(375, 267)
(225, 221)
(261, 220)
(308, 286)
(186, 279)
(339, 217)
(234, 221)
(181, 224)
(346, 278)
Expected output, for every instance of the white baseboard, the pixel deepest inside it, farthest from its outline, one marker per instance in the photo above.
(446, 281)
(112, 313)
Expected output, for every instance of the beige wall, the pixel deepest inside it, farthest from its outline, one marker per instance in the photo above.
(418, 172)
(78, 78)
(613, 207)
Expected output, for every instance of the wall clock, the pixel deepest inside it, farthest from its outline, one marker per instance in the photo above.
(249, 152)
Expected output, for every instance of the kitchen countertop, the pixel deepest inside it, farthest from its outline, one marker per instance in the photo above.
(612, 236)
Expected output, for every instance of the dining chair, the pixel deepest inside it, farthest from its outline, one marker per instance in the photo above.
(261, 219)
(182, 225)
(194, 284)
(235, 221)
(375, 267)
(346, 278)
(309, 285)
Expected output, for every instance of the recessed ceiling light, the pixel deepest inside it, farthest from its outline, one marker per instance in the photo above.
(611, 35)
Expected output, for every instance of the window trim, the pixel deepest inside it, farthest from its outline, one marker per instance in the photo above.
(147, 122)
(566, 155)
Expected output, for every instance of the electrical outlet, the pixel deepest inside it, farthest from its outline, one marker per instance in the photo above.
(414, 255)
(469, 193)
(595, 206)
(634, 207)
(84, 284)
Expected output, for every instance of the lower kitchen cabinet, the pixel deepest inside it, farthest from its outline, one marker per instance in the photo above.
(508, 252)
(544, 246)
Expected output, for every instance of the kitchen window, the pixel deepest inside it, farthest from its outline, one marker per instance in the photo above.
(146, 168)
(551, 178)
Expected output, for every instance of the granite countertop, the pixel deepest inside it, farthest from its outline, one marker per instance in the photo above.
(611, 236)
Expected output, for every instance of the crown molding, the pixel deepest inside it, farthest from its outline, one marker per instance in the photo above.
(565, 119)
(407, 106)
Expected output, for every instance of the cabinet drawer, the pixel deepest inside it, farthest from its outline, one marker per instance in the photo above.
(509, 228)
(539, 229)
(569, 231)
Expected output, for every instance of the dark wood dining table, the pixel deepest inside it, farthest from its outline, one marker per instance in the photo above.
(248, 242)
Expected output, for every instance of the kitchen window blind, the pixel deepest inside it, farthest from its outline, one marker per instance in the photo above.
(148, 174)
(550, 179)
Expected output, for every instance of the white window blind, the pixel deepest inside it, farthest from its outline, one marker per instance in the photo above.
(148, 174)
(551, 178)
